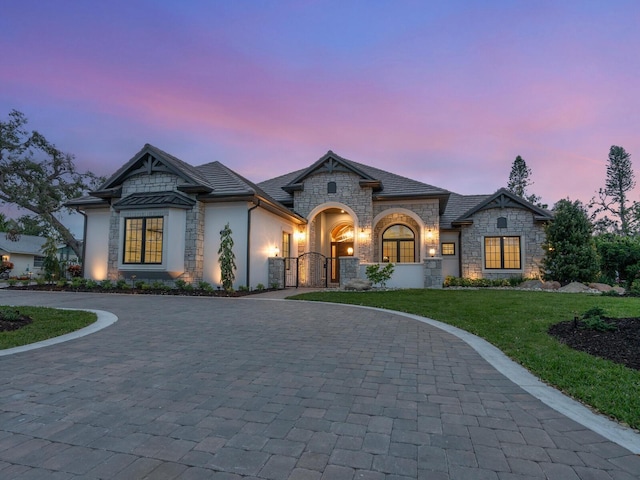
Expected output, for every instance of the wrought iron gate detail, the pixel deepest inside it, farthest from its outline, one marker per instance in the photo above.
(310, 269)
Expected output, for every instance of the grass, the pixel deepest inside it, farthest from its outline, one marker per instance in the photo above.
(517, 322)
(47, 323)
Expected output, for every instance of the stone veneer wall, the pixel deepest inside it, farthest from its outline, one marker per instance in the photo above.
(276, 272)
(348, 192)
(428, 211)
(194, 241)
(519, 223)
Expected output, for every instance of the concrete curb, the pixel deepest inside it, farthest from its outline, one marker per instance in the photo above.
(104, 320)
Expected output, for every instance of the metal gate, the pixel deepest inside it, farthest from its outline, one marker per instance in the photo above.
(310, 269)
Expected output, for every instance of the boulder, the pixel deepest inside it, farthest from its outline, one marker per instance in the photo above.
(531, 284)
(576, 287)
(553, 285)
(601, 287)
(620, 290)
(358, 284)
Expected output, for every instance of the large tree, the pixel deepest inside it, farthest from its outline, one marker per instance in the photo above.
(38, 177)
(519, 180)
(613, 198)
(570, 251)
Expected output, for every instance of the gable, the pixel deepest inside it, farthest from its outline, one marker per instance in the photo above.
(332, 163)
(152, 160)
(503, 198)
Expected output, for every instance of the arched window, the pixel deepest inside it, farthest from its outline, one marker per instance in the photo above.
(398, 244)
(332, 187)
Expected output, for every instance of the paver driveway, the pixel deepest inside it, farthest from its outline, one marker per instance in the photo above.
(245, 388)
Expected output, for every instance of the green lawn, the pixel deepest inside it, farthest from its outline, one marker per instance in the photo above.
(516, 322)
(47, 323)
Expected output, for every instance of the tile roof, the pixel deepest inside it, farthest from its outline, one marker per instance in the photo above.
(154, 199)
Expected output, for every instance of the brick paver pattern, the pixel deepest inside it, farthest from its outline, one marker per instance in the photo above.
(206, 388)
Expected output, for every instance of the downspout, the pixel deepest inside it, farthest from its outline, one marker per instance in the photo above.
(460, 253)
(84, 239)
(249, 242)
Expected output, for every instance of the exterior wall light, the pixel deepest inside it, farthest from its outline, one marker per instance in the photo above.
(276, 251)
(350, 251)
(432, 252)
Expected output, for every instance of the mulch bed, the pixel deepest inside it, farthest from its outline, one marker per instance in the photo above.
(621, 345)
(13, 322)
(139, 291)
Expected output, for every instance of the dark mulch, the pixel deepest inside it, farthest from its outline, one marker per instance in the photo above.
(139, 291)
(13, 321)
(621, 345)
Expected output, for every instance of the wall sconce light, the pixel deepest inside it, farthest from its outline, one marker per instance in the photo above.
(432, 252)
(276, 251)
(350, 251)
(429, 234)
(300, 235)
(362, 234)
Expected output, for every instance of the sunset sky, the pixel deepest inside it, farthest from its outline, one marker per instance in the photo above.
(445, 92)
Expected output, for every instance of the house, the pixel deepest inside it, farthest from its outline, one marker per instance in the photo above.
(25, 252)
(160, 218)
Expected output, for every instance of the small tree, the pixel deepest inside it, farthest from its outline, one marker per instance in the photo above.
(613, 198)
(570, 254)
(376, 275)
(519, 181)
(50, 263)
(227, 259)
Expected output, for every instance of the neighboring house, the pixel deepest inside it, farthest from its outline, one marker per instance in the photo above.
(158, 217)
(25, 253)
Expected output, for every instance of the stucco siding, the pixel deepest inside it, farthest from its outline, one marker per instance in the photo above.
(96, 253)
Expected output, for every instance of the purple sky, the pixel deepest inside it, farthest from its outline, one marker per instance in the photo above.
(446, 92)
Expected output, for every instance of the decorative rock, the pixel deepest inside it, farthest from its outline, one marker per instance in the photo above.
(620, 290)
(553, 285)
(531, 284)
(577, 287)
(358, 284)
(601, 287)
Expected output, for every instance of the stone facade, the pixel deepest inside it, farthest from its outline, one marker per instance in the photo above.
(433, 273)
(520, 223)
(194, 234)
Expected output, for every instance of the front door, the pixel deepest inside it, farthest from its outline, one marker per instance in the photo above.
(339, 249)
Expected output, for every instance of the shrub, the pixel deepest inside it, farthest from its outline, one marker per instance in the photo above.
(12, 282)
(376, 275)
(60, 283)
(122, 284)
(78, 282)
(106, 284)
(260, 287)
(227, 258)
(5, 267)
(140, 284)
(205, 286)
(243, 288)
(92, 284)
(158, 285)
(74, 270)
(180, 284)
(592, 320)
(40, 281)
(275, 285)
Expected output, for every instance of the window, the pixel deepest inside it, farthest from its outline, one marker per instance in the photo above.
(331, 187)
(286, 249)
(398, 244)
(143, 240)
(502, 253)
(38, 261)
(502, 222)
(448, 249)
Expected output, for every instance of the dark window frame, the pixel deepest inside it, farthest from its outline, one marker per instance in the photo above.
(443, 251)
(332, 187)
(143, 241)
(398, 245)
(501, 252)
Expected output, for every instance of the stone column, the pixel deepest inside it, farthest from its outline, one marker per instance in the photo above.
(349, 269)
(433, 272)
(276, 272)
